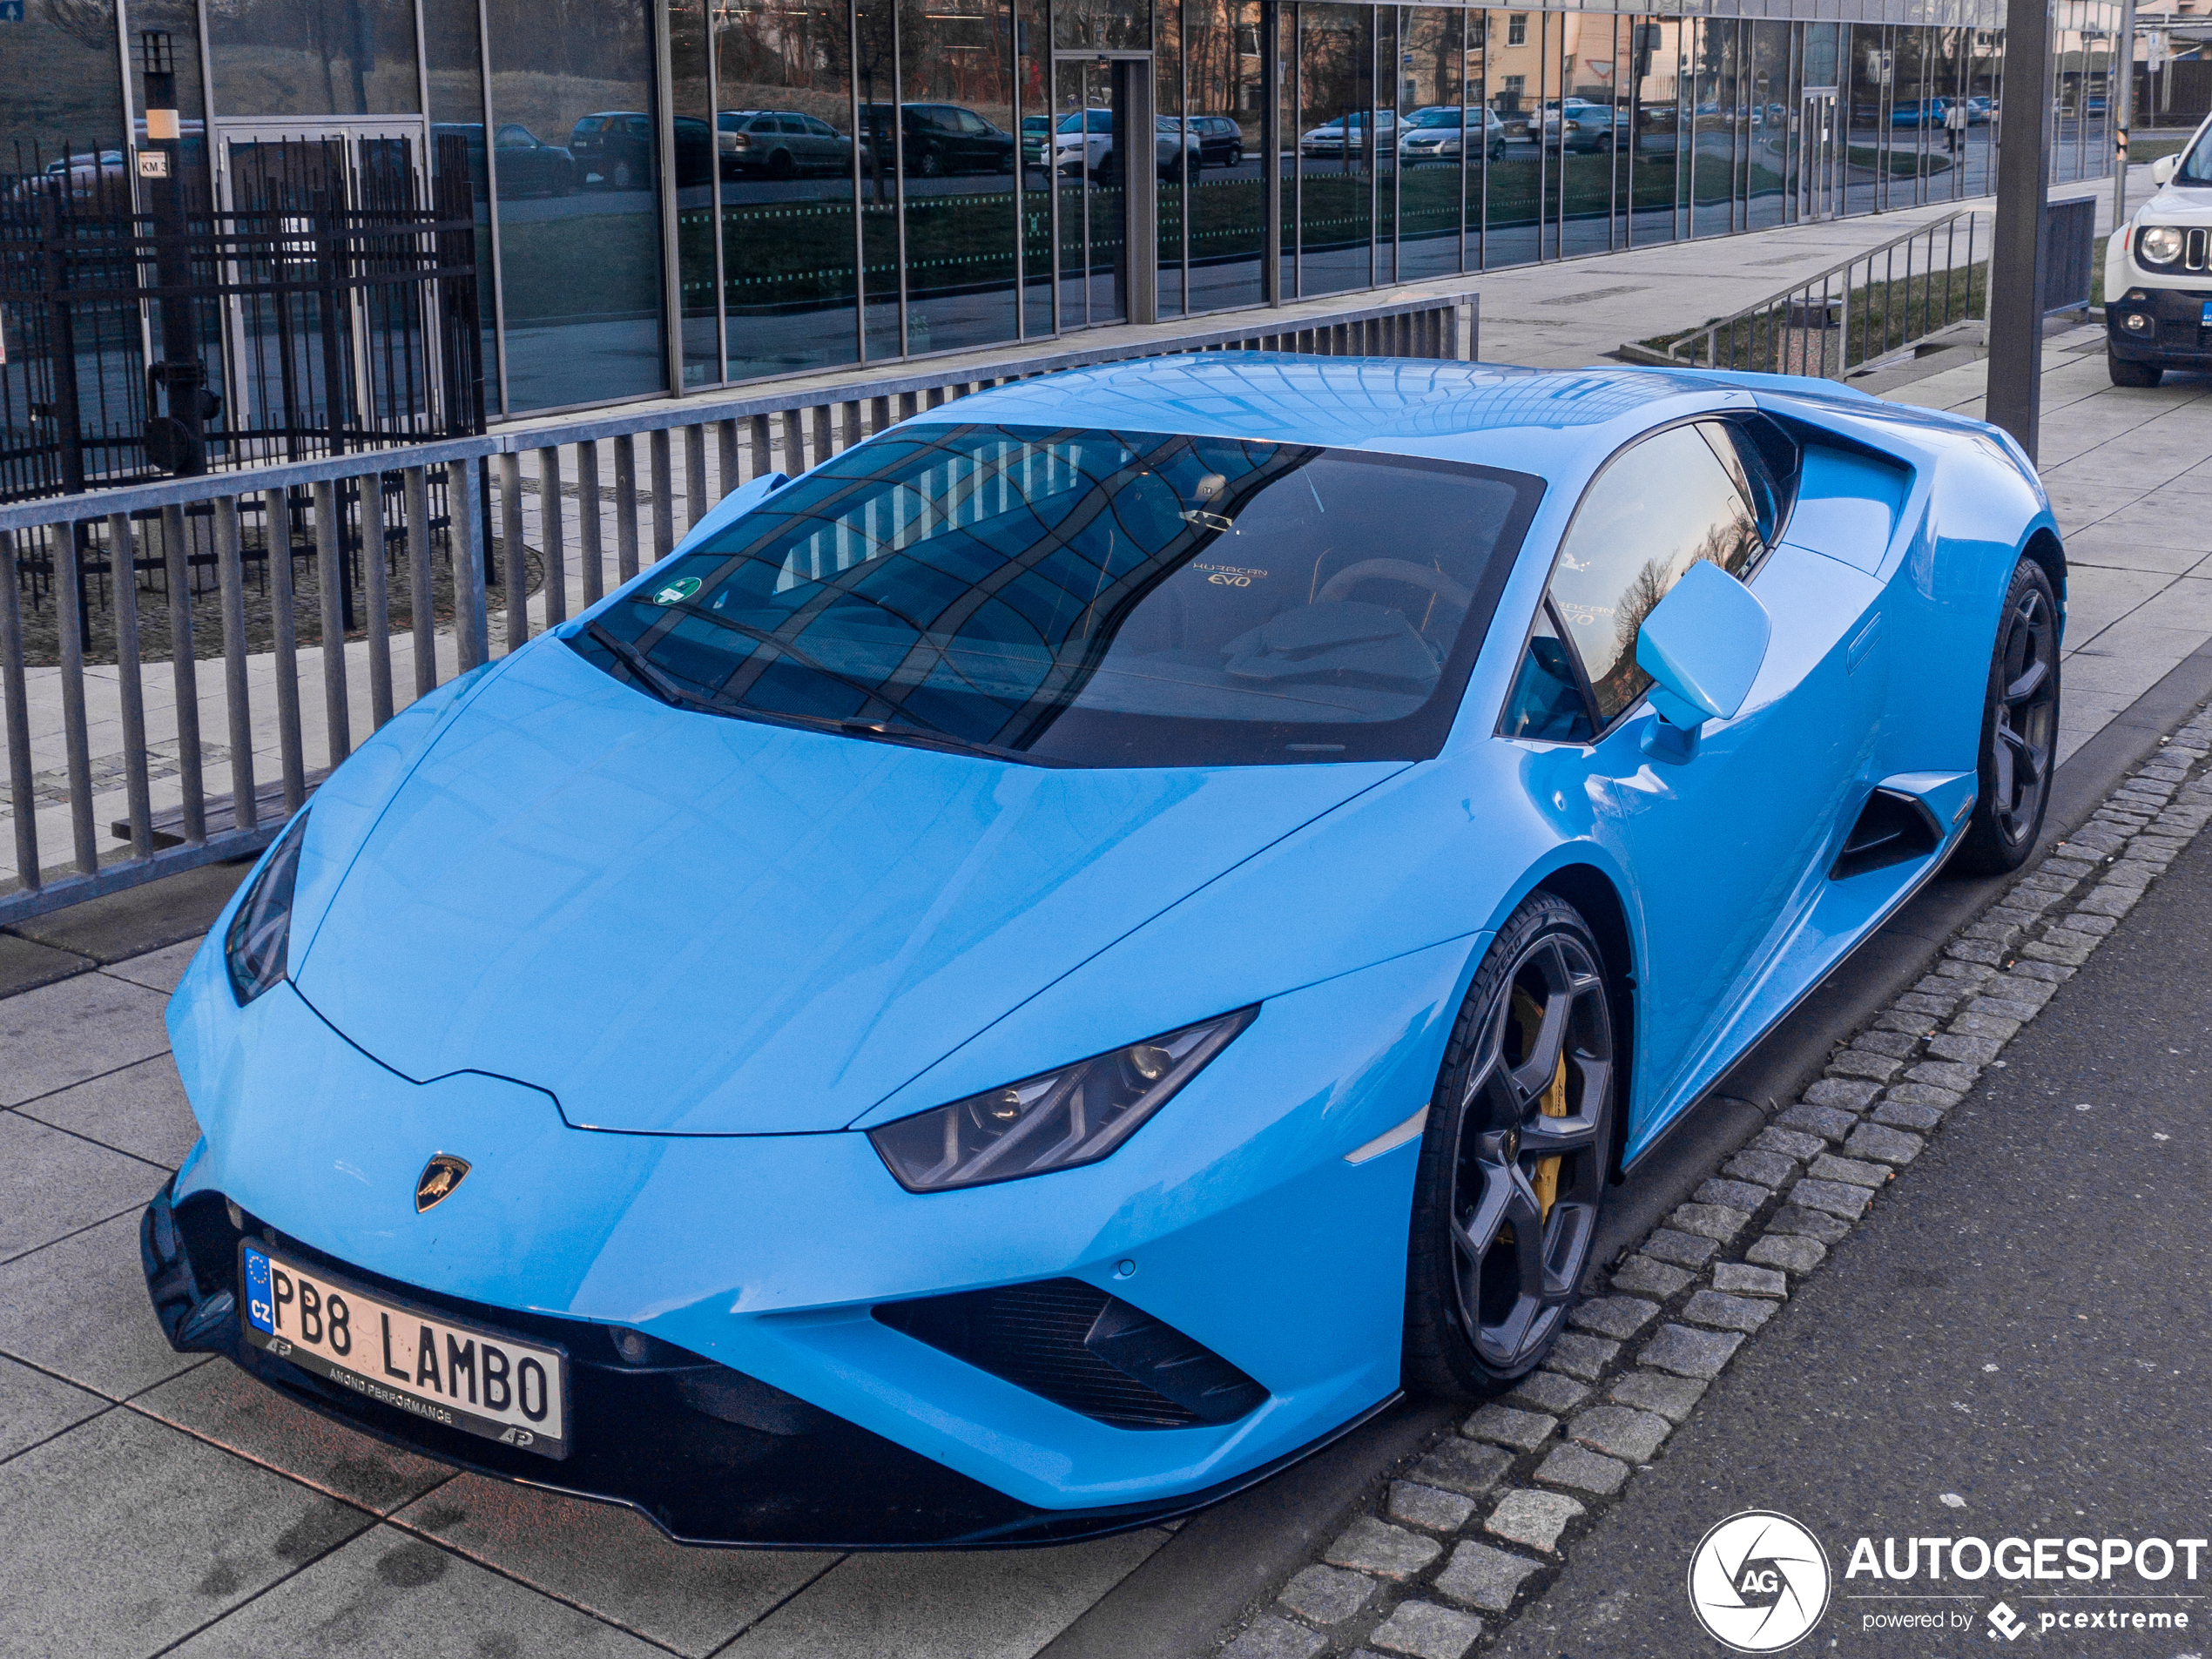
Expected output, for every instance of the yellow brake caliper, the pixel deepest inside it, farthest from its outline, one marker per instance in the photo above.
(1553, 1100)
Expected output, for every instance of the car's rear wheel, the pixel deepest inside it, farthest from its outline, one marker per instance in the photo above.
(2124, 373)
(1515, 1157)
(2020, 728)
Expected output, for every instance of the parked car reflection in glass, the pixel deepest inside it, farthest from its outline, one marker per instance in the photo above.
(1438, 133)
(1220, 141)
(527, 165)
(779, 143)
(938, 139)
(616, 150)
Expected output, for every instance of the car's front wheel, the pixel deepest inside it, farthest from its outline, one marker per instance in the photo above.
(1515, 1157)
(2124, 373)
(2020, 728)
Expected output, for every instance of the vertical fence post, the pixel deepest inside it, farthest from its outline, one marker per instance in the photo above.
(589, 546)
(123, 580)
(514, 567)
(277, 511)
(186, 671)
(464, 510)
(626, 506)
(330, 572)
(70, 615)
(15, 694)
(375, 546)
(230, 575)
(694, 475)
(663, 495)
(552, 532)
(418, 580)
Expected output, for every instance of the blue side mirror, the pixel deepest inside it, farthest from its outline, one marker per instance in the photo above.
(1702, 645)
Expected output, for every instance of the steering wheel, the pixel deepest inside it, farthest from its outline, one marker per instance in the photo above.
(1420, 576)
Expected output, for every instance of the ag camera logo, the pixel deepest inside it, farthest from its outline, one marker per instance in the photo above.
(1758, 1581)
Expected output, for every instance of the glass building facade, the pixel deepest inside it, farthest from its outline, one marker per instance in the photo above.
(678, 194)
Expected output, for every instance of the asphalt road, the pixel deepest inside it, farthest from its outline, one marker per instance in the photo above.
(2021, 1325)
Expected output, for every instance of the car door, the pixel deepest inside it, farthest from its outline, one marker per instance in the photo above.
(1727, 848)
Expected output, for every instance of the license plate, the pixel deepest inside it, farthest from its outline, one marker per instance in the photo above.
(2205, 317)
(431, 1366)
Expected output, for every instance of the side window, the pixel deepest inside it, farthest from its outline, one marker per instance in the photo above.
(1546, 702)
(1656, 509)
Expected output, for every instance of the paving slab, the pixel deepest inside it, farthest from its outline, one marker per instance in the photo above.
(35, 1407)
(388, 1592)
(78, 1308)
(613, 1561)
(158, 971)
(123, 1536)
(944, 1606)
(140, 1109)
(79, 1029)
(53, 1182)
(25, 965)
(219, 1403)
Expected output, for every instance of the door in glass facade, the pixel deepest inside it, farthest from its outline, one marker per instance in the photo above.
(1108, 152)
(288, 364)
(1818, 177)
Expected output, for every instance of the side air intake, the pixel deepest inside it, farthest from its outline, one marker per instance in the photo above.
(1083, 1349)
(1891, 829)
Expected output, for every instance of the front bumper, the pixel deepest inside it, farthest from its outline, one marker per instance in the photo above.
(771, 1257)
(709, 1455)
(2174, 334)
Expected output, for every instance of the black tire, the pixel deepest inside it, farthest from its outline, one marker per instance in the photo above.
(1481, 1310)
(2019, 729)
(1236, 157)
(2124, 373)
(933, 163)
(780, 165)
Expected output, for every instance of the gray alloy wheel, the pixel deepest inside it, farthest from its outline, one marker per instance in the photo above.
(2020, 728)
(1515, 1157)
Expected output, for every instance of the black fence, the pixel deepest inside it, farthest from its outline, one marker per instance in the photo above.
(330, 308)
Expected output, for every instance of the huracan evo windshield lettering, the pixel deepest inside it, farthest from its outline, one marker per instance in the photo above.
(1079, 597)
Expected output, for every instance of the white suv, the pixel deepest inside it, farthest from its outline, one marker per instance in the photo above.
(2158, 273)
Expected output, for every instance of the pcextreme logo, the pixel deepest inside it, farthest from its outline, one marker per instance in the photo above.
(1758, 1581)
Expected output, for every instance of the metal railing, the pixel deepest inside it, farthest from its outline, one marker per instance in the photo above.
(288, 583)
(1870, 305)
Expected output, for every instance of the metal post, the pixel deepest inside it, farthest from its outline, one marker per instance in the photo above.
(2122, 111)
(2015, 263)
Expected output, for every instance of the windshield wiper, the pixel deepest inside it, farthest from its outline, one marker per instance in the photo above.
(650, 677)
(658, 685)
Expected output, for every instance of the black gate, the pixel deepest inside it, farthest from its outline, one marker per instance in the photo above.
(329, 308)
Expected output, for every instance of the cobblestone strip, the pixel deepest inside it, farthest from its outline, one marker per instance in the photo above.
(1457, 1544)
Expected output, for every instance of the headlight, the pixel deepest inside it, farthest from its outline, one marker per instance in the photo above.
(253, 950)
(1054, 1121)
(2160, 245)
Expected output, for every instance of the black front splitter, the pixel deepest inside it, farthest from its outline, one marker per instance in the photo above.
(636, 1442)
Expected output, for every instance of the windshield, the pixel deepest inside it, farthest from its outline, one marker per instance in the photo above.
(1092, 598)
(1444, 118)
(2197, 167)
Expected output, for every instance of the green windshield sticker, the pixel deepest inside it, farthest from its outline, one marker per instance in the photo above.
(675, 592)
